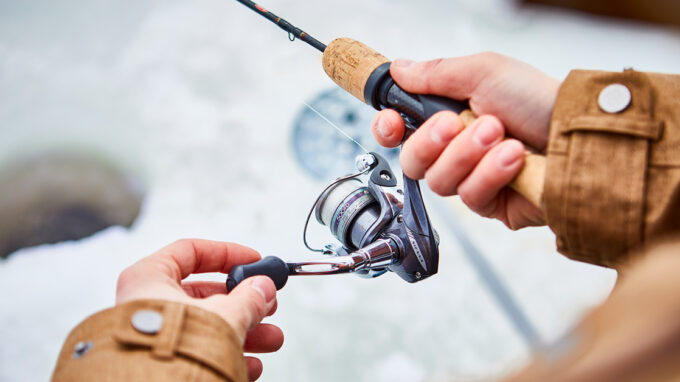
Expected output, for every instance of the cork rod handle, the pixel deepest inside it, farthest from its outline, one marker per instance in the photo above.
(350, 63)
(529, 181)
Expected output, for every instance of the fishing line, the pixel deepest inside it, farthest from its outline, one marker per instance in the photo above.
(336, 127)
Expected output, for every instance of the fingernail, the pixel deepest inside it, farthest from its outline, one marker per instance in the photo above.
(380, 125)
(441, 132)
(487, 133)
(264, 288)
(509, 155)
(402, 63)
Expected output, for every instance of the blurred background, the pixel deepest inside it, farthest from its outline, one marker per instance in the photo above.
(125, 125)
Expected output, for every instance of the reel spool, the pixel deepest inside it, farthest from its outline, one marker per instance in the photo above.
(348, 209)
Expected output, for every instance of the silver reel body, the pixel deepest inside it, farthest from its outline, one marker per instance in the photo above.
(367, 207)
(380, 227)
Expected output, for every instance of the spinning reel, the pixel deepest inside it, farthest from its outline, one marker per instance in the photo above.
(381, 228)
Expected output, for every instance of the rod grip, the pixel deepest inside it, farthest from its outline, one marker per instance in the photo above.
(270, 266)
(529, 181)
(350, 63)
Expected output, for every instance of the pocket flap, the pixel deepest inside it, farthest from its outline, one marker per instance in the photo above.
(639, 127)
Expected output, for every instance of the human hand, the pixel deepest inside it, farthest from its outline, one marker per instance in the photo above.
(160, 275)
(511, 98)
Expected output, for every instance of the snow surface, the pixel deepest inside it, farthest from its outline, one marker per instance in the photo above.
(197, 100)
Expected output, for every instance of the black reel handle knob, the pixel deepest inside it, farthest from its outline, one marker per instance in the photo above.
(270, 266)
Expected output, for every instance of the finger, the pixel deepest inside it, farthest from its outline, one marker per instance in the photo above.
(423, 147)
(388, 128)
(184, 257)
(519, 212)
(265, 338)
(203, 289)
(273, 308)
(245, 306)
(254, 366)
(480, 189)
(463, 154)
(451, 77)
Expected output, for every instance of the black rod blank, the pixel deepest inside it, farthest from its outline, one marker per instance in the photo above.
(293, 31)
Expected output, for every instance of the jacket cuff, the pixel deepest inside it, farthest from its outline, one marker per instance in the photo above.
(610, 143)
(152, 340)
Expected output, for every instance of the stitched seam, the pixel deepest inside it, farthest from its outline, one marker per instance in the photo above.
(644, 128)
(166, 343)
(662, 165)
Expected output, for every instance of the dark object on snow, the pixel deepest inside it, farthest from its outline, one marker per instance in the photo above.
(61, 197)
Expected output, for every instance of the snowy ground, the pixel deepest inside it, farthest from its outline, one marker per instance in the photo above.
(198, 98)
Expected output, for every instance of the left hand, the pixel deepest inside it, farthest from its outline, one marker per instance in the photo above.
(161, 275)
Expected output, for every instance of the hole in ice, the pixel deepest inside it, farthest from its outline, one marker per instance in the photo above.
(57, 197)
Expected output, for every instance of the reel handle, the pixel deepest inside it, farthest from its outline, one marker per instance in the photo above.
(270, 266)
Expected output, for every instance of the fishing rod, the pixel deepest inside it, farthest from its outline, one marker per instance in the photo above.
(364, 73)
(380, 227)
(293, 31)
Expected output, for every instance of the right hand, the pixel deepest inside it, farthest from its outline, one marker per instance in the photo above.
(511, 98)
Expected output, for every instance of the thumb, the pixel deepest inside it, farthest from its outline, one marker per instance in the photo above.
(450, 77)
(245, 306)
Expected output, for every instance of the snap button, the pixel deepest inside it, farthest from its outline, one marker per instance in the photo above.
(615, 98)
(147, 321)
(82, 348)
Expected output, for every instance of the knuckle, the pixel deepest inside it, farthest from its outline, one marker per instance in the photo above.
(433, 65)
(482, 207)
(255, 303)
(411, 164)
(491, 57)
(247, 313)
(432, 70)
(126, 278)
(244, 320)
(486, 64)
(259, 307)
(439, 185)
(511, 225)
(492, 120)
(421, 156)
(469, 197)
(181, 242)
(408, 171)
(447, 116)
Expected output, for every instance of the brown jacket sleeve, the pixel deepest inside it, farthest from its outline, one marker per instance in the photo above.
(633, 337)
(613, 164)
(152, 340)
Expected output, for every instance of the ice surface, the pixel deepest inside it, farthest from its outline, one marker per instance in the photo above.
(197, 99)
